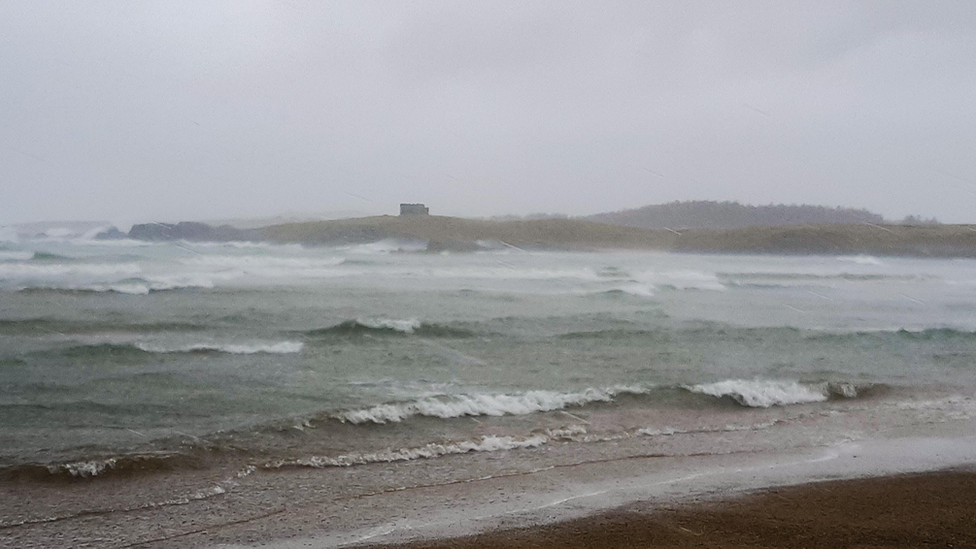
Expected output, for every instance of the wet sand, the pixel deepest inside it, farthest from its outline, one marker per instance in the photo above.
(904, 492)
(917, 510)
(913, 491)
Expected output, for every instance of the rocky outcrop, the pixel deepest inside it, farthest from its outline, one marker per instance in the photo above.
(192, 231)
(112, 233)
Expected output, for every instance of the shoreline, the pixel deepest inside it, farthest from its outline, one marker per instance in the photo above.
(907, 510)
(451, 234)
(568, 506)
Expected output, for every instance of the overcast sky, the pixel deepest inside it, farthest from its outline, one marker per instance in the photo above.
(211, 109)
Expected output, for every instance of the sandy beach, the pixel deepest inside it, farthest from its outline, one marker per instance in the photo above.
(900, 492)
(918, 510)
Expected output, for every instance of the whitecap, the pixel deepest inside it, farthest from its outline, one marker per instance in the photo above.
(490, 443)
(386, 246)
(48, 271)
(861, 259)
(764, 393)
(406, 326)
(243, 244)
(633, 288)
(282, 347)
(265, 264)
(84, 468)
(481, 405)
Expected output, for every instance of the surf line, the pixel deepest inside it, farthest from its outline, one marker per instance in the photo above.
(389, 528)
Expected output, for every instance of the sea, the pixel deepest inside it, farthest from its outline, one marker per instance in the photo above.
(136, 376)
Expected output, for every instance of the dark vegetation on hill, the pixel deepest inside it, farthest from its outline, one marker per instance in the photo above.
(454, 233)
(185, 230)
(457, 234)
(451, 233)
(732, 215)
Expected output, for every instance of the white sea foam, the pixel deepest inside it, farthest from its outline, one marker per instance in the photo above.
(283, 347)
(84, 468)
(571, 432)
(264, 262)
(494, 443)
(90, 234)
(245, 245)
(489, 443)
(406, 326)
(199, 280)
(764, 393)
(131, 288)
(481, 405)
(117, 242)
(60, 232)
(119, 283)
(80, 270)
(385, 246)
(507, 273)
(861, 259)
(268, 266)
(730, 428)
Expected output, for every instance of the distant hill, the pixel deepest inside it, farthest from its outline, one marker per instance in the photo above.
(455, 234)
(287, 217)
(732, 215)
(440, 234)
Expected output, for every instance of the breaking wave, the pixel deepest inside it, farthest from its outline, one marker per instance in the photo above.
(113, 349)
(283, 347)
(633, 289)
(766, 393)
(489, 443)
(749, 393)
(243, 244)
(481, 405)
(496, 443)
(385, 246)
(388, 326)
(129, 286)
(271, 266)
(122, 464)
(860, 259)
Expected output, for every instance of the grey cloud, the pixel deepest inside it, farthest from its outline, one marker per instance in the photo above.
(216, 109)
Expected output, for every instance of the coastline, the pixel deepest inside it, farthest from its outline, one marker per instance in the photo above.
(456, 234)
(908, 510)
(451, 234)
(642, 501)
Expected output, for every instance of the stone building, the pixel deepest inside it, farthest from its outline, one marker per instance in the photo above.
(414, 209)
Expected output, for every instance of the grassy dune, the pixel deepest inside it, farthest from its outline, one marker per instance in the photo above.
(455, 232)
(922, 241)
(460, 234)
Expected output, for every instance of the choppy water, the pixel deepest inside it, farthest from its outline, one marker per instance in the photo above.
(127, 357)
